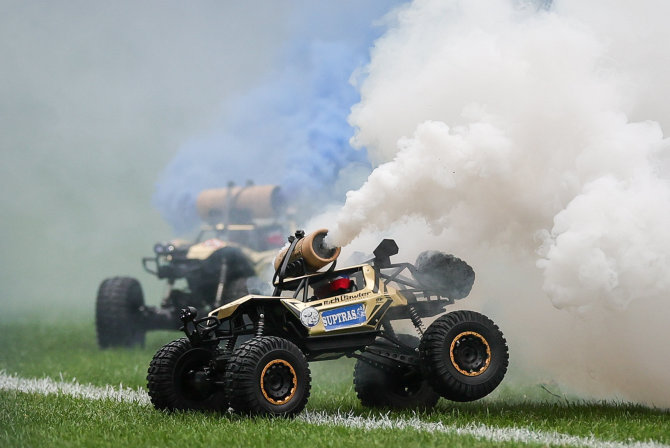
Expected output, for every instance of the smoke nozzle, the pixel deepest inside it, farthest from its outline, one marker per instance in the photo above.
(313, 250)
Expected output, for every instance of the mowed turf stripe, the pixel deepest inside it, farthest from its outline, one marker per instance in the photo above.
(48, 386)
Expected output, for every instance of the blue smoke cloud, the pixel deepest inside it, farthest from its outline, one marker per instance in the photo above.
(291, 129)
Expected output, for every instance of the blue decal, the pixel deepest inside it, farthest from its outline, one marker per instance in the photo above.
(345, 316)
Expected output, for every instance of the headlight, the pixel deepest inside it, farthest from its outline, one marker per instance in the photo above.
(159, 248)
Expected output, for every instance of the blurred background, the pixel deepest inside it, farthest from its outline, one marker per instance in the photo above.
(114, 115)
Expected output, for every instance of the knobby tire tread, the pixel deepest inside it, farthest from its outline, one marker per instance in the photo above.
(436, 368)
(371, 385)
(116, 326)
(160, 381)
(241, 383)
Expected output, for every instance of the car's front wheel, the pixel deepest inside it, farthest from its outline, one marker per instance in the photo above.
(180, 378)
(268, 375)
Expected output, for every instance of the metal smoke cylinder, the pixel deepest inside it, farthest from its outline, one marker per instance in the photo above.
(238, 205)
(313, 250)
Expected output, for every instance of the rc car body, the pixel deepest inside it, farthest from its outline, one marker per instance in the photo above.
(253, 353)
(241, 233)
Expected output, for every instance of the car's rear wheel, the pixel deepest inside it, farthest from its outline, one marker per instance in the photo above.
(118, 317)
(463, 355)
(397, 388)
(268, 375)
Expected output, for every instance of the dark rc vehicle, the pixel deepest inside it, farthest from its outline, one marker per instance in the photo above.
(252, 354)
(238, 241)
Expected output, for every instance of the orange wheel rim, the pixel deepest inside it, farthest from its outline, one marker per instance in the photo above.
(476, 342)
(271, 395)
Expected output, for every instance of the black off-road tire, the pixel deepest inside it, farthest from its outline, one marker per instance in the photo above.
(171, 379)
(118, 319)
(268, 376)
(444, 273)
(463, 355)
(397, 389)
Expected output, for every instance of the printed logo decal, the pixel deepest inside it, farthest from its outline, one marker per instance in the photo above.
(309, 317)
(346, 316)
(347, 297)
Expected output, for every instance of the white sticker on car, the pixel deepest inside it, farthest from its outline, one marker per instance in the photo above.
(309, 317)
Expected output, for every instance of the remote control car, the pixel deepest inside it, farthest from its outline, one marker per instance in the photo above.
(239, 240)
(252, 354)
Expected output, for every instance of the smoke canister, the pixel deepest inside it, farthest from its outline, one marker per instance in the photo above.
(313, 250)
(239, 205)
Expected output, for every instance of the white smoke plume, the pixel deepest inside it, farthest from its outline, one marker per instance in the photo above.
(534, 135)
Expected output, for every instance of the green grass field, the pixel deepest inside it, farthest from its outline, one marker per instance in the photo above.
(68, 353)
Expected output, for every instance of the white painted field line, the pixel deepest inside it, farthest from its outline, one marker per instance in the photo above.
(47, 386)
(492, 433)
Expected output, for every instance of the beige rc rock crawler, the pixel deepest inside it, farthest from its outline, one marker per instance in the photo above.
(252, 354)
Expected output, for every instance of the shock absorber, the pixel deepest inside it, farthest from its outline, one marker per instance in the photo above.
(416, 319)
(230, 345)
(221, 360)
(260, 326)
